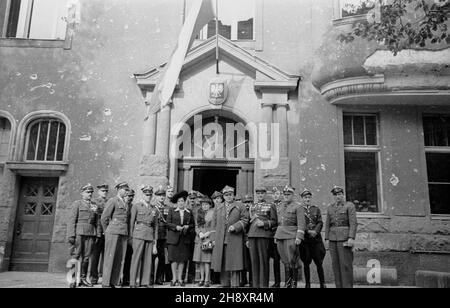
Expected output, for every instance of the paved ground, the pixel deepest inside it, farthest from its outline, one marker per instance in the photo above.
(49, 280)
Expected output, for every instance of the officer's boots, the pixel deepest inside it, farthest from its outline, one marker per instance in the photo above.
(288, 277)
(84, 270)
(307, 276)
(294, 277)
(321, 275)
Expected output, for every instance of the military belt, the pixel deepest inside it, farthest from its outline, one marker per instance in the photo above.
(144, 223)
(339, 225)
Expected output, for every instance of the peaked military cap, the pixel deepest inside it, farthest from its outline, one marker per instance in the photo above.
(122, 185)
(337, 189)
(87, 188)
(131, 192)
(275, 189)
(192, 194)
(216, 194)
(260, 189)
(305, 192)
(160, 191)
(147, 189)
(227, 189)
(205, 199)
(288, 188)
(103, 186)
(248, 198)
(238, 198)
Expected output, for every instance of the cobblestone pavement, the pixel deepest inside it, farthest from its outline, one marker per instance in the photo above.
(52, 280)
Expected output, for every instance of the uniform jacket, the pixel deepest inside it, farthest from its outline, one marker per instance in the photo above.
(341, 222)
(235, 241)
(267, 213)
(173, 220)
(163, 210)
(144, 221)
(116, 217)
(100, 202)
(83, 219)
(313, 220)
(291, 219)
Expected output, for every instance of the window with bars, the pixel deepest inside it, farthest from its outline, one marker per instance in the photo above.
(236, 21)
(436, 130)
(5, 138)
(45, 141)
(33, 19)
(361, 150)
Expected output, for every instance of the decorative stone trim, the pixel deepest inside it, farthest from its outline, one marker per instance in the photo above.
(353, 86)
(37, 168)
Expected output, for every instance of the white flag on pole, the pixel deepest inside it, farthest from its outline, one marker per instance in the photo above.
(200, 13)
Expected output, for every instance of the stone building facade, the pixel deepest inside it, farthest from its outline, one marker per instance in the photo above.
(73, 110)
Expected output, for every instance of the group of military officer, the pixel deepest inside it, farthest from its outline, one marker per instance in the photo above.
(247, 235)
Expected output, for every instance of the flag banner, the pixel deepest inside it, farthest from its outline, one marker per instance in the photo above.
(200, 13)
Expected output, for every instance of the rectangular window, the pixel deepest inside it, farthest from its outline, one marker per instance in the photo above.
(436, 130)
(5, 138)
(33, 19)
(355, 7)
(236, 21)
(361, 150)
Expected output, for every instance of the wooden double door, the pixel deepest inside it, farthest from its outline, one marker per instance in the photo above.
(34, 224)
(207, 176)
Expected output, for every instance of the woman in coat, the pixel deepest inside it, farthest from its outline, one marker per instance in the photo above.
(180, 224)
(229, 222)
(203, 240)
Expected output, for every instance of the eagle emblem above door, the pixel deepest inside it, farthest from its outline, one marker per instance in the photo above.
(217, 91)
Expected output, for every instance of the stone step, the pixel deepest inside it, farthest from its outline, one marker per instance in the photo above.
(431, 279)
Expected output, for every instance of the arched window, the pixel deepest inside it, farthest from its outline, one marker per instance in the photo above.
(45, 140)
(5, 138)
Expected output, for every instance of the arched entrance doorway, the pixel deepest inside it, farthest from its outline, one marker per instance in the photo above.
(217, 151)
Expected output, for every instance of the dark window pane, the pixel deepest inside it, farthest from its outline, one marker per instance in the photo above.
(245, 29)
(436, 130)
(439, 196)
(13, 18)
(371, 131)
(224, 30)
(438, 167)
(52, 141)
(361, 180)
(358, 130)
(61, 142)
(42, 141)
(32, 142)
(348, 130)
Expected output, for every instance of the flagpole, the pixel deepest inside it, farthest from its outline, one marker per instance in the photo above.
(217, 37)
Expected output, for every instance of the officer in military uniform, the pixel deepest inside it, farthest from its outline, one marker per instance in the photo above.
(161, 243)
(99, 246)
(169, 195)
(144, 229)
(125, 274)
(312, 248)
(248, 202)
(340, 231)
(273, 251)
(115, 222)
(263, 216)
(82, 227)
(290, 233)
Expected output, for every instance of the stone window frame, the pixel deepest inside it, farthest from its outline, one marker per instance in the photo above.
(47, 140)
(41, 43)
(338, 20)
(258, 29)
(13, 123)
(23, 131)
(380, 213)
(433, 149)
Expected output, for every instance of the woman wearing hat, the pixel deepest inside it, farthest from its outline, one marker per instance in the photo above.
(180, 224)
(203, 240)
